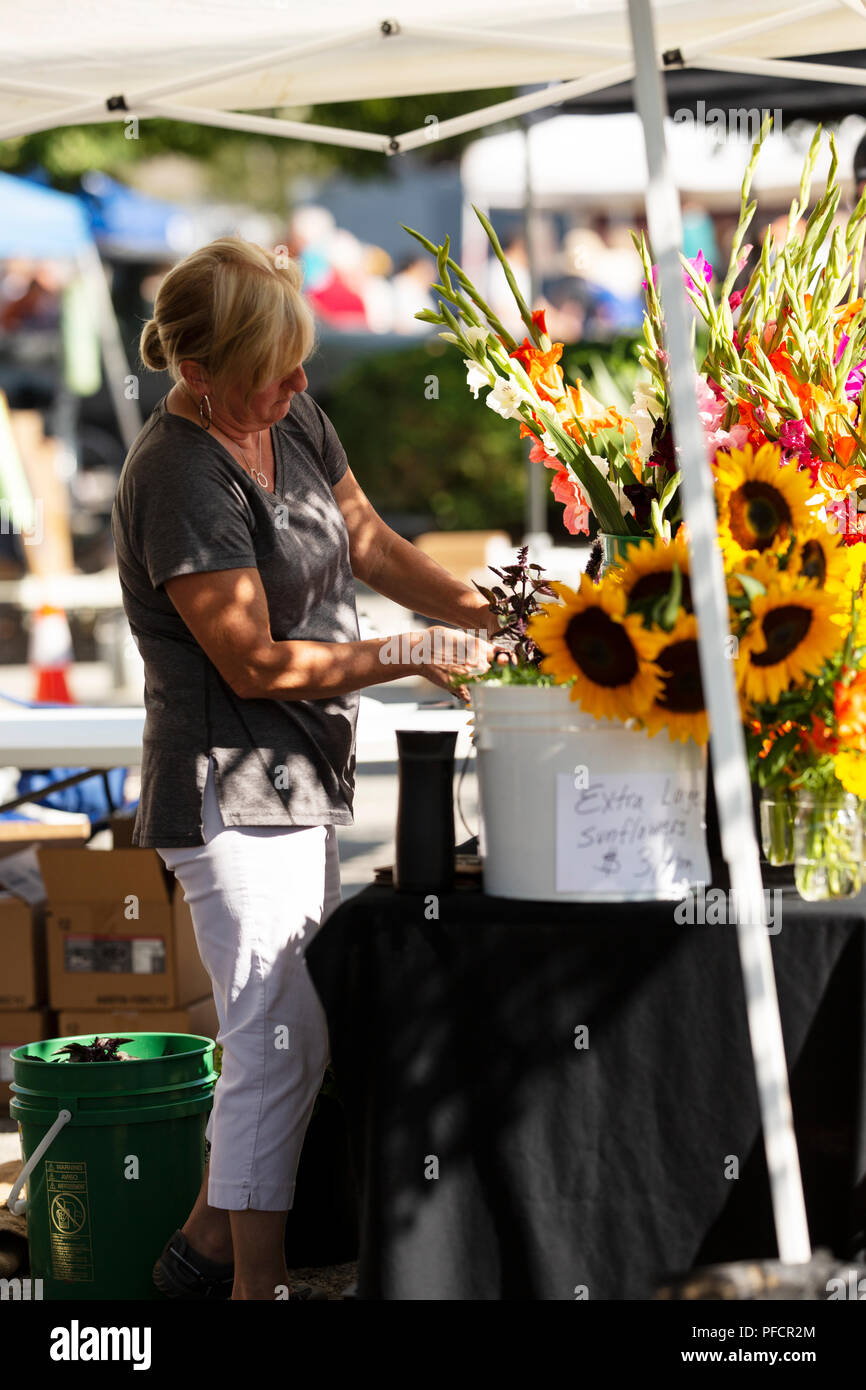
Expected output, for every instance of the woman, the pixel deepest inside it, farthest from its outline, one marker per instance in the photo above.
(239, 530)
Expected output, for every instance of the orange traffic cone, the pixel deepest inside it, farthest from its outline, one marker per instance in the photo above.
(50, 655)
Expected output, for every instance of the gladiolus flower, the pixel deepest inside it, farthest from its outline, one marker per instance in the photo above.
(850, 705)
(576, 515)
(506, 399)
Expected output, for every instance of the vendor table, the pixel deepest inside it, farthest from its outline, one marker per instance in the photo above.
(101, 738)
(502, 1153)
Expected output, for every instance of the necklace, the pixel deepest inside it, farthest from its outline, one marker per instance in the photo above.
(260, 477)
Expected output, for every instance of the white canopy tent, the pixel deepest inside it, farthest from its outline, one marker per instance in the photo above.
(611, 172)
(213, 63)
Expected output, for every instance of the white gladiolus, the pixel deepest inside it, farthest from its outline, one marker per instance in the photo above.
(505, 398)
(475, 334)
(450, 338)
(640, 417)
(602, 464)
(476, 375)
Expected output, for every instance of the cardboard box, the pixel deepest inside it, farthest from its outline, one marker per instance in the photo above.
(22, 954)
(118, 935)
(17, 1027)
(18, 835)
(200, 1017)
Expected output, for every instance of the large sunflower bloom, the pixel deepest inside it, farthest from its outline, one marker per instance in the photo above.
(680, 706)
(648, 571)
(793, 632)
(761, 506)
(589, 636)
(819, 555)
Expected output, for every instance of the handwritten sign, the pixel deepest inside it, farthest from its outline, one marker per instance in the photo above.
(630, 832)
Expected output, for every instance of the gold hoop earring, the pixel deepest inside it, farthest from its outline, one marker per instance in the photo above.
(204, 411)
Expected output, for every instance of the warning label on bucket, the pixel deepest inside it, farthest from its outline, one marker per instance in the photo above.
(69, 1220)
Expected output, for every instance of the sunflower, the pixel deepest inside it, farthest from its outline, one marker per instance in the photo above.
(648, 571)
(761, 506)
(793, 632)
(679, 707)
(851, 772)
(764, 568)
(589, 636)
(819, 555)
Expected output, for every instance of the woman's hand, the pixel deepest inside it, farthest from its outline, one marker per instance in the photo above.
(451, 653)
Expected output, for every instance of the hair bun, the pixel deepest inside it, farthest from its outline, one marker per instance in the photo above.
(151, 349)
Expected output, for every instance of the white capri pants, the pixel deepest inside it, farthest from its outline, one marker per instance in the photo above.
(257, 896)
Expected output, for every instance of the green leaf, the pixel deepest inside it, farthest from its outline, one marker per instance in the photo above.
(752, 586)
(673, 602)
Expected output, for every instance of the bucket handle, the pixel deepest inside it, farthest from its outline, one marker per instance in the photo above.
(18, 1205)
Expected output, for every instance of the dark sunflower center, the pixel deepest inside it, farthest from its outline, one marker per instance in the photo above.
(814, 561)
(658, 585)
(758, 515)
(601, 648)
(784, 629)
(682, 691)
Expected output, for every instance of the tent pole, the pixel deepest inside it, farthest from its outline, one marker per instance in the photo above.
(265, 125)
(553, 95)
(779, 67)
(733, 787)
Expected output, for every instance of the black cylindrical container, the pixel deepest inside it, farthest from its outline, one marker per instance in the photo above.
(425, 811)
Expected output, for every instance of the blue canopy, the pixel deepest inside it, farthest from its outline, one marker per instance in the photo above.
(127, 222)
(40, 223)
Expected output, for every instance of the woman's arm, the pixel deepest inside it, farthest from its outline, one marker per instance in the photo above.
(227, 613)
(399, 570)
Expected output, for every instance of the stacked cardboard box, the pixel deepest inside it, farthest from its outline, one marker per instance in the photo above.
(106, 941)
(120, 945)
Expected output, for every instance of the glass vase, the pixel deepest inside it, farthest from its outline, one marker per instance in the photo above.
(615, 549)
(828, 846)
(778, 810)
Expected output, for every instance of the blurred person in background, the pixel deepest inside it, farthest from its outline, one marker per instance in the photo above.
(337, 299)
(239, 531)
(310, 231)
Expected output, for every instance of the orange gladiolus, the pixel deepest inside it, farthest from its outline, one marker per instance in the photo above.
(850, 704)
(541, 368)
(823, 738)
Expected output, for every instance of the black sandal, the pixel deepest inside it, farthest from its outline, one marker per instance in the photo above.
(181, 1272)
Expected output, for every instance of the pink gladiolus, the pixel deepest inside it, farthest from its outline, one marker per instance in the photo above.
(576, 514)
(840, 351)
(700, 266)
(794, 440)
(736, 299)
(538, 454)
(711, 410)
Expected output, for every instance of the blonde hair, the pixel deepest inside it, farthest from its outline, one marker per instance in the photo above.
(234, 308)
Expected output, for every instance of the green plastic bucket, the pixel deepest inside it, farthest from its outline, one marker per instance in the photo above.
(122, 1162)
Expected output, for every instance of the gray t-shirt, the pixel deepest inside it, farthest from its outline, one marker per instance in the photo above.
(185, 505)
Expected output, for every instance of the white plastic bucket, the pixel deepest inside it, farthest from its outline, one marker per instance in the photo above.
(526, 738)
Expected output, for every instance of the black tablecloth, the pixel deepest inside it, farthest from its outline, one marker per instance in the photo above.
(494, 1159)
